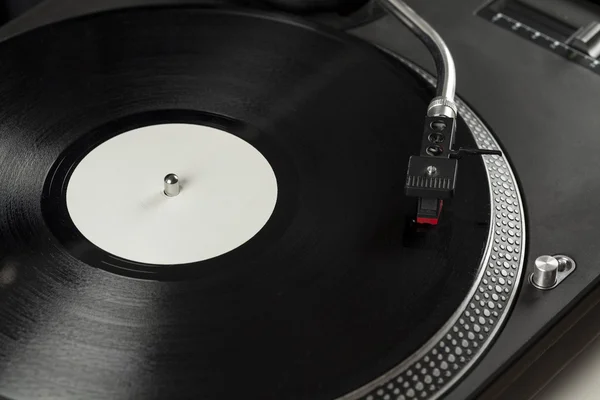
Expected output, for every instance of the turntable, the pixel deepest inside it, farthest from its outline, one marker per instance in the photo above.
(224, 201)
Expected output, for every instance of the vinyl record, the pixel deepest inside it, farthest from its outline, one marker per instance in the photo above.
(335, 288)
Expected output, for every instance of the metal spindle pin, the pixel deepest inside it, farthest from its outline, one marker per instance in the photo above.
(171, 185)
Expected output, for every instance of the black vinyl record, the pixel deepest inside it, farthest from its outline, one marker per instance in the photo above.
(335, 290)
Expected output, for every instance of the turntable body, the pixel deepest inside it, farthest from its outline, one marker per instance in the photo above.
(543, 111)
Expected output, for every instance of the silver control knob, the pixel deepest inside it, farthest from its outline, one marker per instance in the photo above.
(587, 39)
(544, 274)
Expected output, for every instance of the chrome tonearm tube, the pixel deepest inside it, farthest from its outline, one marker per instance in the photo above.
(443, 104)
(431, 176)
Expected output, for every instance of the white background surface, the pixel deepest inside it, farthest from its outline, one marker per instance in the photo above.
(578, 380)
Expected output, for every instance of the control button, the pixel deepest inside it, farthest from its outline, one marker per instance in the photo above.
(587, 39)
(544, 274)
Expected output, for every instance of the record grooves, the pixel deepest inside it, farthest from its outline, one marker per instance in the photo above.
(57, 216)
(337, 289)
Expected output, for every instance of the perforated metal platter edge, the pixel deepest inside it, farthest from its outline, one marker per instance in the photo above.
(450, 354)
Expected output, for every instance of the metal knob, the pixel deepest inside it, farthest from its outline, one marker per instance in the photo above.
(545, 272)
(171, 185)
(587, 39)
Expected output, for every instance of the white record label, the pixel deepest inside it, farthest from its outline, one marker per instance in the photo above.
(115, 194)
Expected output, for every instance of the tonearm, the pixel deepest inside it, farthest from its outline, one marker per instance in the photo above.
(431, 175)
